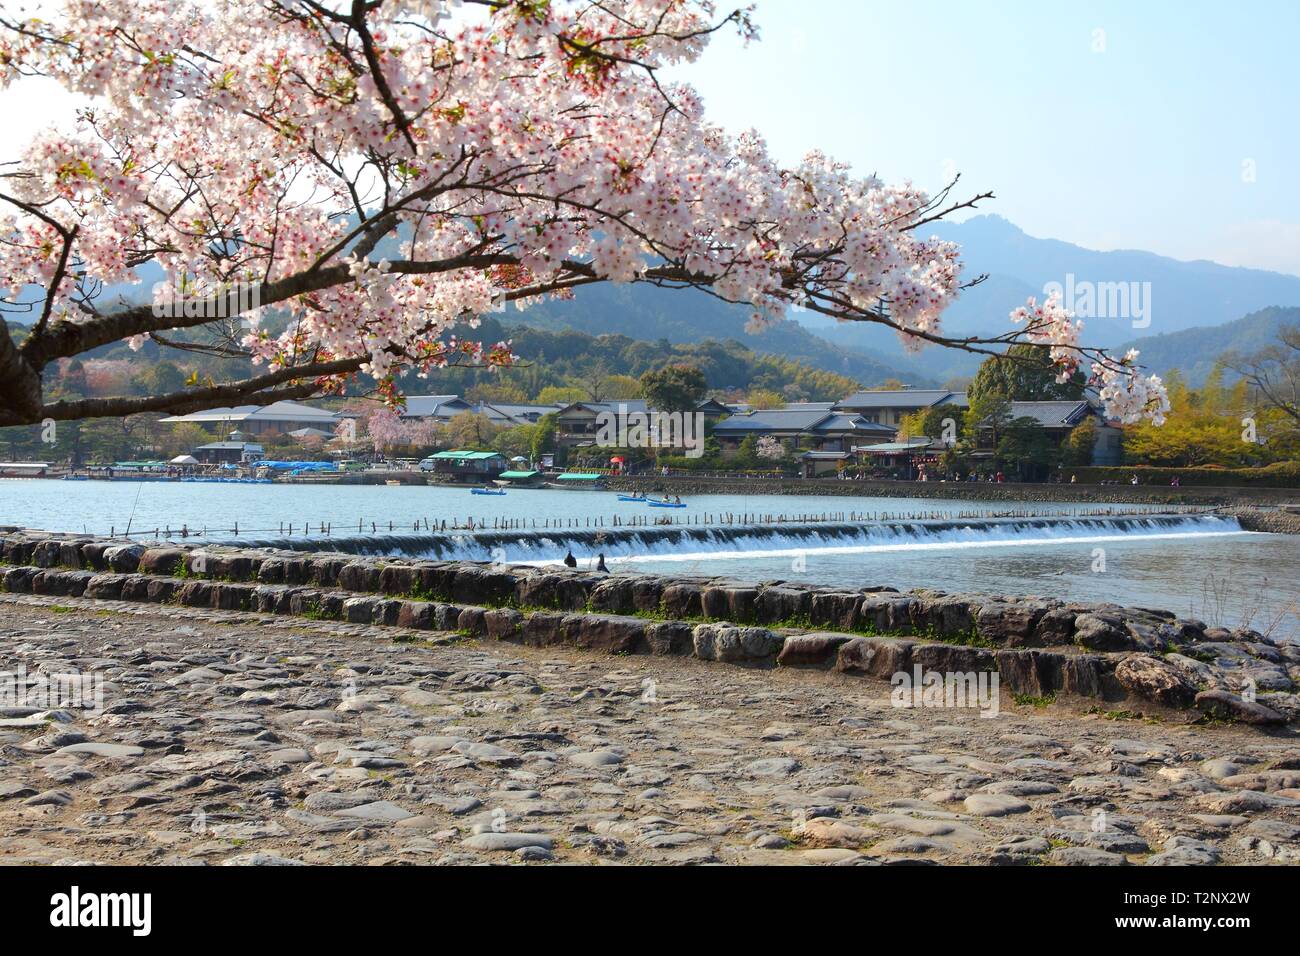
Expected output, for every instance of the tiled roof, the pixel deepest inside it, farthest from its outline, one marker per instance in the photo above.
(283, 411)
(629, 405)
(1051, 413)
(422, 406)
(898, 398)
(771, 420)
(843, 422)
(521, 411)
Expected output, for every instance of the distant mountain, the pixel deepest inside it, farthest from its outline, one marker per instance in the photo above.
(1194, 351)
(685, 316)
(648, 313)
(1174, 295)
(969, 315)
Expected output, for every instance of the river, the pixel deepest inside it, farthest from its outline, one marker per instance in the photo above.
(1203, 566)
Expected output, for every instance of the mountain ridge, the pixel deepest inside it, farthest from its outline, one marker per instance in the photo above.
(1183, 295)
(1195, 351)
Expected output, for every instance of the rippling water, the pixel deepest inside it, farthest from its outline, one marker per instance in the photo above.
(1206, 567)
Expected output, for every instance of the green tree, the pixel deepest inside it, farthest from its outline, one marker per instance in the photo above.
(469, 430)
(747, 453)
(762, 398)
(938, 421)
(1024, 374)
(1024, 449)
(1204, 427)
(988, 415)
(1078, 445)
(513, 442)
(560, 395)
(543, 440)
(183, 438)
(507, 393)
(621, 387)
(674, 388)
(159, 378)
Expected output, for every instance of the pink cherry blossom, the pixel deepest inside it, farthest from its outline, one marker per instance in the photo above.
(387, 173)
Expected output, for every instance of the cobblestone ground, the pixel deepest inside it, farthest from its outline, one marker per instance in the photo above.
(239, 738)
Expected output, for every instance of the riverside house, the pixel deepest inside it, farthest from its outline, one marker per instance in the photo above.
(1058, 419)
(443, 408)
(816, 426)
(579, 423)
(889, 407)
(467, 467)
(261, 421)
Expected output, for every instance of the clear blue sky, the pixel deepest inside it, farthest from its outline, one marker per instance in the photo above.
(1134, 137)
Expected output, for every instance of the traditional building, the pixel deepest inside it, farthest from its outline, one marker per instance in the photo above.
(812, 424)
(236, 451)
(278, 418)
(443, 408)
(1058, 419)
(438, 407)
(890, 406)
(470, 467)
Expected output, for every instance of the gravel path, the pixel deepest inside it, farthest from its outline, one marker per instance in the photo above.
(231, 738)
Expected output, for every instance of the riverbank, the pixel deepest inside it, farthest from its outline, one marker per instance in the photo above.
(961, 491)
(1039, 648)
(234, 738)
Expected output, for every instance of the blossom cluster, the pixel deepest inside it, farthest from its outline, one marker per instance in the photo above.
(1127, 395)
(443, 165)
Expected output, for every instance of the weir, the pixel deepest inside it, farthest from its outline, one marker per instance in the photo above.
(552, 545)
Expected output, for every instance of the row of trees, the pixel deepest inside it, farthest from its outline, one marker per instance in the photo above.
(1251, 420)
(1217, 424)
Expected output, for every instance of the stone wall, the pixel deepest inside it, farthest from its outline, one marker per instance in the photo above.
(1040, 647)
(1256, 519)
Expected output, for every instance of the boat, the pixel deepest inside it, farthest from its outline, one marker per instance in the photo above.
(392, 482)
(487, 491)
(666, 504)
(587, 481)
(632, 498)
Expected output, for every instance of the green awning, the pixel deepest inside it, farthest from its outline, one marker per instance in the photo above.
(578, 476)
(518, 474)
(464, 455)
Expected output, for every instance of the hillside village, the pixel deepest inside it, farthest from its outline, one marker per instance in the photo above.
(868, 431)
(1011, 420)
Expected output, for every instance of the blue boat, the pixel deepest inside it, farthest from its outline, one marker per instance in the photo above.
(486, 491)
(666, 504)
(631, 497)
